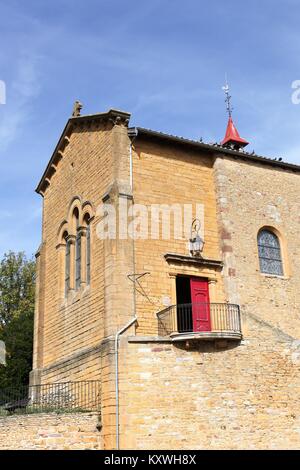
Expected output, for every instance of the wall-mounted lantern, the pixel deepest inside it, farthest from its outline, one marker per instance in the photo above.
(196, 243)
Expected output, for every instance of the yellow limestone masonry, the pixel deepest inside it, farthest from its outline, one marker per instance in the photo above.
(50, 432)
(195, 394)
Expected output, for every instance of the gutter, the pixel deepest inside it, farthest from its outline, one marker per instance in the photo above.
(118, 334)
(132, 134)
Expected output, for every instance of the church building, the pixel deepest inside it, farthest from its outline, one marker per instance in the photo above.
(169, 270)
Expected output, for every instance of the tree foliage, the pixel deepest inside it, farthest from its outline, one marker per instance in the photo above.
(17, 282)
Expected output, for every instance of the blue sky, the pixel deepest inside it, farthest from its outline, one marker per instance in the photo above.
(163, 61)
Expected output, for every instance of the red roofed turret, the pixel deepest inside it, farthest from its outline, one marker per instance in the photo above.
(232, 138)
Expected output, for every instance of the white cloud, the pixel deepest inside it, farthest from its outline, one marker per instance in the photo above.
(5, 214)
(24, 87)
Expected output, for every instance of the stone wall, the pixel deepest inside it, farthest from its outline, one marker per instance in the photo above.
(251, 196)
(170, 175)
(65, 326)
(241, 396)
(213, 396)
(69, 329)
(50, 432)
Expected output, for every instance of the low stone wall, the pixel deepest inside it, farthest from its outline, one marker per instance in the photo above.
(51, 431)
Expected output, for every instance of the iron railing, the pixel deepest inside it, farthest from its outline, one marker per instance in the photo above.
(199, 317)
(83, 396)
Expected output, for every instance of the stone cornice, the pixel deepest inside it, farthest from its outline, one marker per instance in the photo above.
(193, 260)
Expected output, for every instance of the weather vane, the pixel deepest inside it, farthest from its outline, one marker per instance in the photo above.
(229, 108)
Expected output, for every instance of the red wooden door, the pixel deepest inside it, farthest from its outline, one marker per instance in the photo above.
(200, 304)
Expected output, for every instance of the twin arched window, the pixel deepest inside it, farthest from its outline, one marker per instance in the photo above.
(269, 252)
(76, 242)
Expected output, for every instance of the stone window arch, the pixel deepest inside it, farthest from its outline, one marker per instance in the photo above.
(269, 252)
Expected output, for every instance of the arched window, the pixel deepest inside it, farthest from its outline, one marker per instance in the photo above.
(269, 253)
(67, 263)
(77, 251)
(74, 248)
(88, 248)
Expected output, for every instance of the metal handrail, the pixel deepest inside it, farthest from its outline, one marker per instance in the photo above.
(184, 318)
(81, 396)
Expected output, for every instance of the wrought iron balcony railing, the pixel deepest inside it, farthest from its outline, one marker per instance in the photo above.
(83, 396)
(209, 320)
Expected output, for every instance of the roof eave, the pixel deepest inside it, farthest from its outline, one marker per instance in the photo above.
(48, 167)
(219, 149)
(112, 114)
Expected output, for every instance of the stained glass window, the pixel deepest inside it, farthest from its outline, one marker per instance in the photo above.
(269, 253)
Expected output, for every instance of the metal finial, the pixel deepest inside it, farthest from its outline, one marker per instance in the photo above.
(229, 108)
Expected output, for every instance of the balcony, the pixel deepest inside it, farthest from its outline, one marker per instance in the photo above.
(201, 321)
